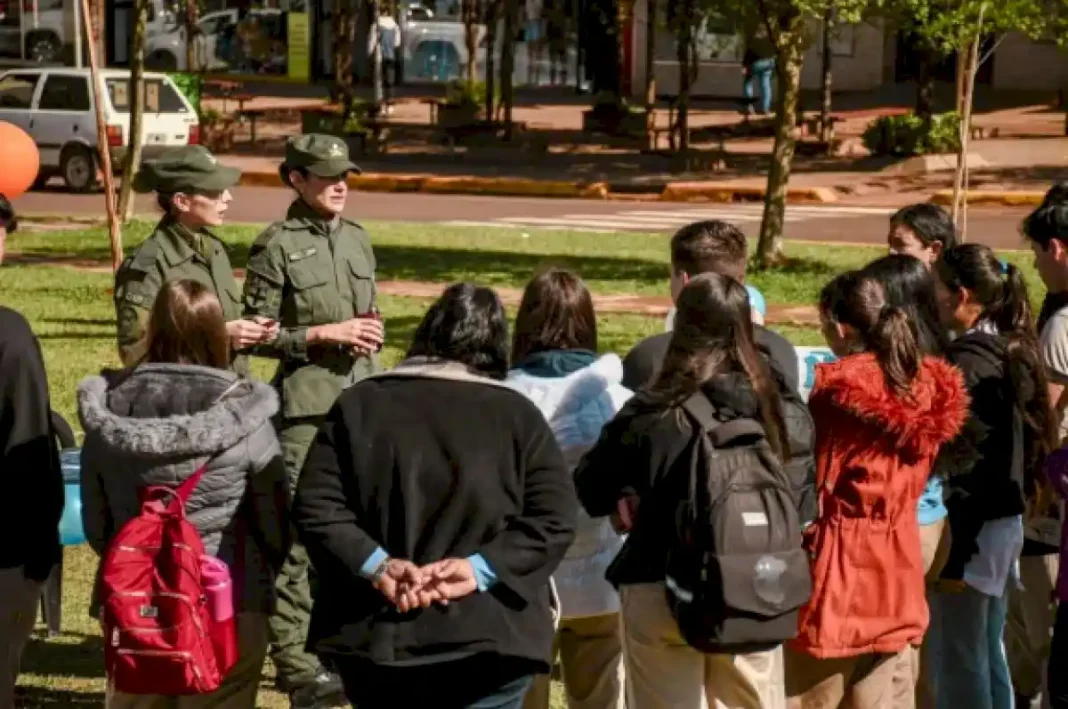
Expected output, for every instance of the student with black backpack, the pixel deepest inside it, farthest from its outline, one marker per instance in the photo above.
(882, 413)
(712, 572)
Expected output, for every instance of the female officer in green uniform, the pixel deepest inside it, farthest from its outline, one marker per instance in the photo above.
(313, 272)
(193, 190)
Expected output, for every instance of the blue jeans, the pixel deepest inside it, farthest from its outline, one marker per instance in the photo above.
(966, 659)
(760, 72)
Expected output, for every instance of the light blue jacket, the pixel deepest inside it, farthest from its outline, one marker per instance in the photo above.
(577, 407)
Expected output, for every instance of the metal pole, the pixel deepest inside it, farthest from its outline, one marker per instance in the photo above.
(77, 34)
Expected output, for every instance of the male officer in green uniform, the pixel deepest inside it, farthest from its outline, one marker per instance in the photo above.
(193, 190)
(313, 272)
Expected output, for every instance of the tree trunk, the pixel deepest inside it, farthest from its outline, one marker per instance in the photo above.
(683, 42)
(925, 84)
(965, 99)
(511, 17)
(114, 233)
(344, 39)
(826, 127)
(650, 73)
(191, 37)
(788, 74)
(493, 14)
(132, 162)
(470, 18)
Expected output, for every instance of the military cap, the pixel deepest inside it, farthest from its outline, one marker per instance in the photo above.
(321, 155)
(191, 169)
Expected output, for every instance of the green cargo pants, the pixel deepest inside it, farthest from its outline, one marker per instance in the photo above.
(289, 624)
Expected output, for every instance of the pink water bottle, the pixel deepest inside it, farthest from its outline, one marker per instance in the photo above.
(218, 587)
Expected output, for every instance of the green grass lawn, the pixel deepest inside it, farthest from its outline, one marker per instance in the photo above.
(71, 312)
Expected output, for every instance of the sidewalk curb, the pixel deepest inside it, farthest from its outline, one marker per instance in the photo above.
(521, 187)
(1009, 198)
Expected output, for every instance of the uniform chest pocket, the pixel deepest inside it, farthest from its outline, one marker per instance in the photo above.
(362, 286)
(313, 297)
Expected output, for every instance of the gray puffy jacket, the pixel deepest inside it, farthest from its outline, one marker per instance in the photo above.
(155, 425)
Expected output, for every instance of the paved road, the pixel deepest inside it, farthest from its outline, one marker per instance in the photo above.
(997, 227)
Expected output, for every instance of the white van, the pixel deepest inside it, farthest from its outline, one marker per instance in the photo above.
(55, 106)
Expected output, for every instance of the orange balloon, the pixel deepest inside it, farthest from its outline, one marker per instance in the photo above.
(22, 161)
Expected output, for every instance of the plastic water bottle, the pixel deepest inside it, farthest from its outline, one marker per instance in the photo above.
(756, 301)
(71, 531)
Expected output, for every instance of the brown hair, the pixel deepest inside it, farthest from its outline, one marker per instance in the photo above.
(712, 246)
(884, 330)
(556, 313)
(187, 326)
(713, 335)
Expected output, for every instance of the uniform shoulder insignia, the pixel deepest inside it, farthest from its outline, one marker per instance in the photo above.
(268, 235)
(349, 222)
(145, 258)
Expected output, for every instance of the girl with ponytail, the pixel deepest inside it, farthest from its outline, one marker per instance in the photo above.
(991, 468)
(882, 412)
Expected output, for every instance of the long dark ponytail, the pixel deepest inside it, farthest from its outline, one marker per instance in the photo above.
(1002, 293)
(859, 301)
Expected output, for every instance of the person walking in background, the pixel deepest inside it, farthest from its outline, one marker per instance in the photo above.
(1031, 608)
(555, 365)
(157, 424)
(922, 231)
(385, 36)
(758, 68)
(9, 223)
(436, 486)
(639, 471)
(909, 285)
(32, 502)
(882, 412)
(313, 273)
(193, 191)
(998, 458)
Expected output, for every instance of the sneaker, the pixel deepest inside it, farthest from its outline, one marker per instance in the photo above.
(323, 692)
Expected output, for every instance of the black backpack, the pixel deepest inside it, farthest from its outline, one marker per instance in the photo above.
(737, 573)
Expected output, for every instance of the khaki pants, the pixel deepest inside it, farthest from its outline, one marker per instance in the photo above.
(238, 690)
(1029, 628)
(18, 613)
(862, 682)
(935, 540)
(591, 655)
(663, 671)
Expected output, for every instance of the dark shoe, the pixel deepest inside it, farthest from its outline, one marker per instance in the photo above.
(324, 692)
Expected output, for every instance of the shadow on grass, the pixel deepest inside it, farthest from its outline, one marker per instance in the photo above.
(421, 263)
(77, 335)
(101, 322)
(34, 697)
(399, 331)
(50, 658)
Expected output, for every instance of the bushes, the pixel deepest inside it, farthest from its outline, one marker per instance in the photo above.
(190, 86)
(908, 135)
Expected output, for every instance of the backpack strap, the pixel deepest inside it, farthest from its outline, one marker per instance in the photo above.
(184, 491)
(720, 433)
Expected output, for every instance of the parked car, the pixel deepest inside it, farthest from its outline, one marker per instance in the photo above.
(220, 44)
(55, 106)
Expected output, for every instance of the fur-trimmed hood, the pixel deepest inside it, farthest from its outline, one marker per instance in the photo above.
(933, 414)
(170, 410)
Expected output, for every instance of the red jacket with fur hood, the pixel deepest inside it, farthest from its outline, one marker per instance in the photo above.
(874, 453)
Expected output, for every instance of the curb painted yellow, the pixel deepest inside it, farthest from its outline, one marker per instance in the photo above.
(719, 192)
(1005, 199)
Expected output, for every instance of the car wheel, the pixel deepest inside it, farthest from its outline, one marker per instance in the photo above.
(77, 165)
(42, 47)
(162, 61)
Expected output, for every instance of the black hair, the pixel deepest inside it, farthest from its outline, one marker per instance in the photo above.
(1049, 221)
(8, 219)
(467, 324)
(859, 301)
(909, 285)
(165, 202)
(1002, 293)
(929, 222)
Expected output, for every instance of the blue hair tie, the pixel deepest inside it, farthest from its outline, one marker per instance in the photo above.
(1004, 268)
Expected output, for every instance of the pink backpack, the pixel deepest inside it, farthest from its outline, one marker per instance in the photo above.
(161, 636)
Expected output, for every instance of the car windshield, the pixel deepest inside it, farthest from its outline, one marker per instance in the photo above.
(160, 96)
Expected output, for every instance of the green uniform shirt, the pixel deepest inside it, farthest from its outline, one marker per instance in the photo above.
(171, 253)
(306, 271)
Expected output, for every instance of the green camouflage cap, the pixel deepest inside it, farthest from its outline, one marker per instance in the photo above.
(321, 155)
(191, 169)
